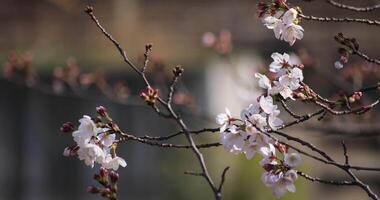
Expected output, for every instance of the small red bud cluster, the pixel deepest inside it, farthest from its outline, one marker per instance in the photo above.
(281, 147)
(355, 97)
(108, 180)
(102, 111)
(67, 127)
(178, 70)
(150, 95)
(19, 69)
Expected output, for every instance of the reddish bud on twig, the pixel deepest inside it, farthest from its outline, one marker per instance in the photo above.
(89, 9)
(281, 147)
(103, 172)
(114, 176)
(97, 177)
(148, 47)
(268, 167)
(102, 111)
(106, 192)
(93, 190)
(178, 70)
(150, 95)
(67, 127)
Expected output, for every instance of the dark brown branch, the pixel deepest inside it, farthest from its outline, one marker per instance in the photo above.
(160, 138)
(193, 173)
(353, 46)
(345, 19)
(345, 153)
(302, 119)
(330, 182)
(353, 8)
(287, 109)
(223, 177)
(304, 143)
(127, 137)
(357, 111)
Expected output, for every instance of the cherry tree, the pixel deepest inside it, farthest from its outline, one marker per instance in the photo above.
(258, 130)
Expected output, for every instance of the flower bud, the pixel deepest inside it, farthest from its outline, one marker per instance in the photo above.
(92, 190)
(67, 127)
(106, 192)
(114, 176)
(357, 95)
(268, 167)
(103, 172)
(89, 9)
(150, 95)
(178, 70)
(102, 111)
(97, 177)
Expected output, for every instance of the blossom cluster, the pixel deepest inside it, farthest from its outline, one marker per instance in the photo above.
(247, 135)
(250, 134)
(94, 144)
(282, 20)
(288, 76)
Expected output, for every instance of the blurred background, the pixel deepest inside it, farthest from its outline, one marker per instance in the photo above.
(57, 66)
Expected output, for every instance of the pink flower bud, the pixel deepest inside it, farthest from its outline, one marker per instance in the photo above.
(103, 172)
(93, 190)
(102, 111)
(114, 176)
(67, 127)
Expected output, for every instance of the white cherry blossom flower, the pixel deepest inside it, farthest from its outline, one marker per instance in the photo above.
(113, 163)
(273, 121)
(290, 16)
(233, 140)
(279, 61)
(266, 104)
(292, 159)
(107, 139)
(269, 155)
(67, 152)
(250, 150)
(86, 130)
(224, 119)
(283, 185)
(292, 174)
(249, 111)
(338, 65)
(269, 179)
(91, 153)
(258, 120)
(264, 81)
(293, 78)
(282, 88)
(291, 32)
(271, 22)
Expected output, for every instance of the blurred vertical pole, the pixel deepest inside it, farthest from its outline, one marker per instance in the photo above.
(126, 23)
(34, 157)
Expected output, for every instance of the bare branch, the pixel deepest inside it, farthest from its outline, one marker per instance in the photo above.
(345, 19)
(353, 8)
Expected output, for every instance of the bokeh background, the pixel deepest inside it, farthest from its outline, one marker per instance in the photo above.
(42, 35)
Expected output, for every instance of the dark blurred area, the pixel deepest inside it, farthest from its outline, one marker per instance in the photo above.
(49, 39)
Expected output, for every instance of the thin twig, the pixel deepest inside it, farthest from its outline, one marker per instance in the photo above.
(330, 182)
(353, 8)
(345, 19)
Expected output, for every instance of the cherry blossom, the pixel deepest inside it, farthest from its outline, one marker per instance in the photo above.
(94, 144)
(224, 119)
(113, 162)
(284, 25)
(292, 159)
(291, 32)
